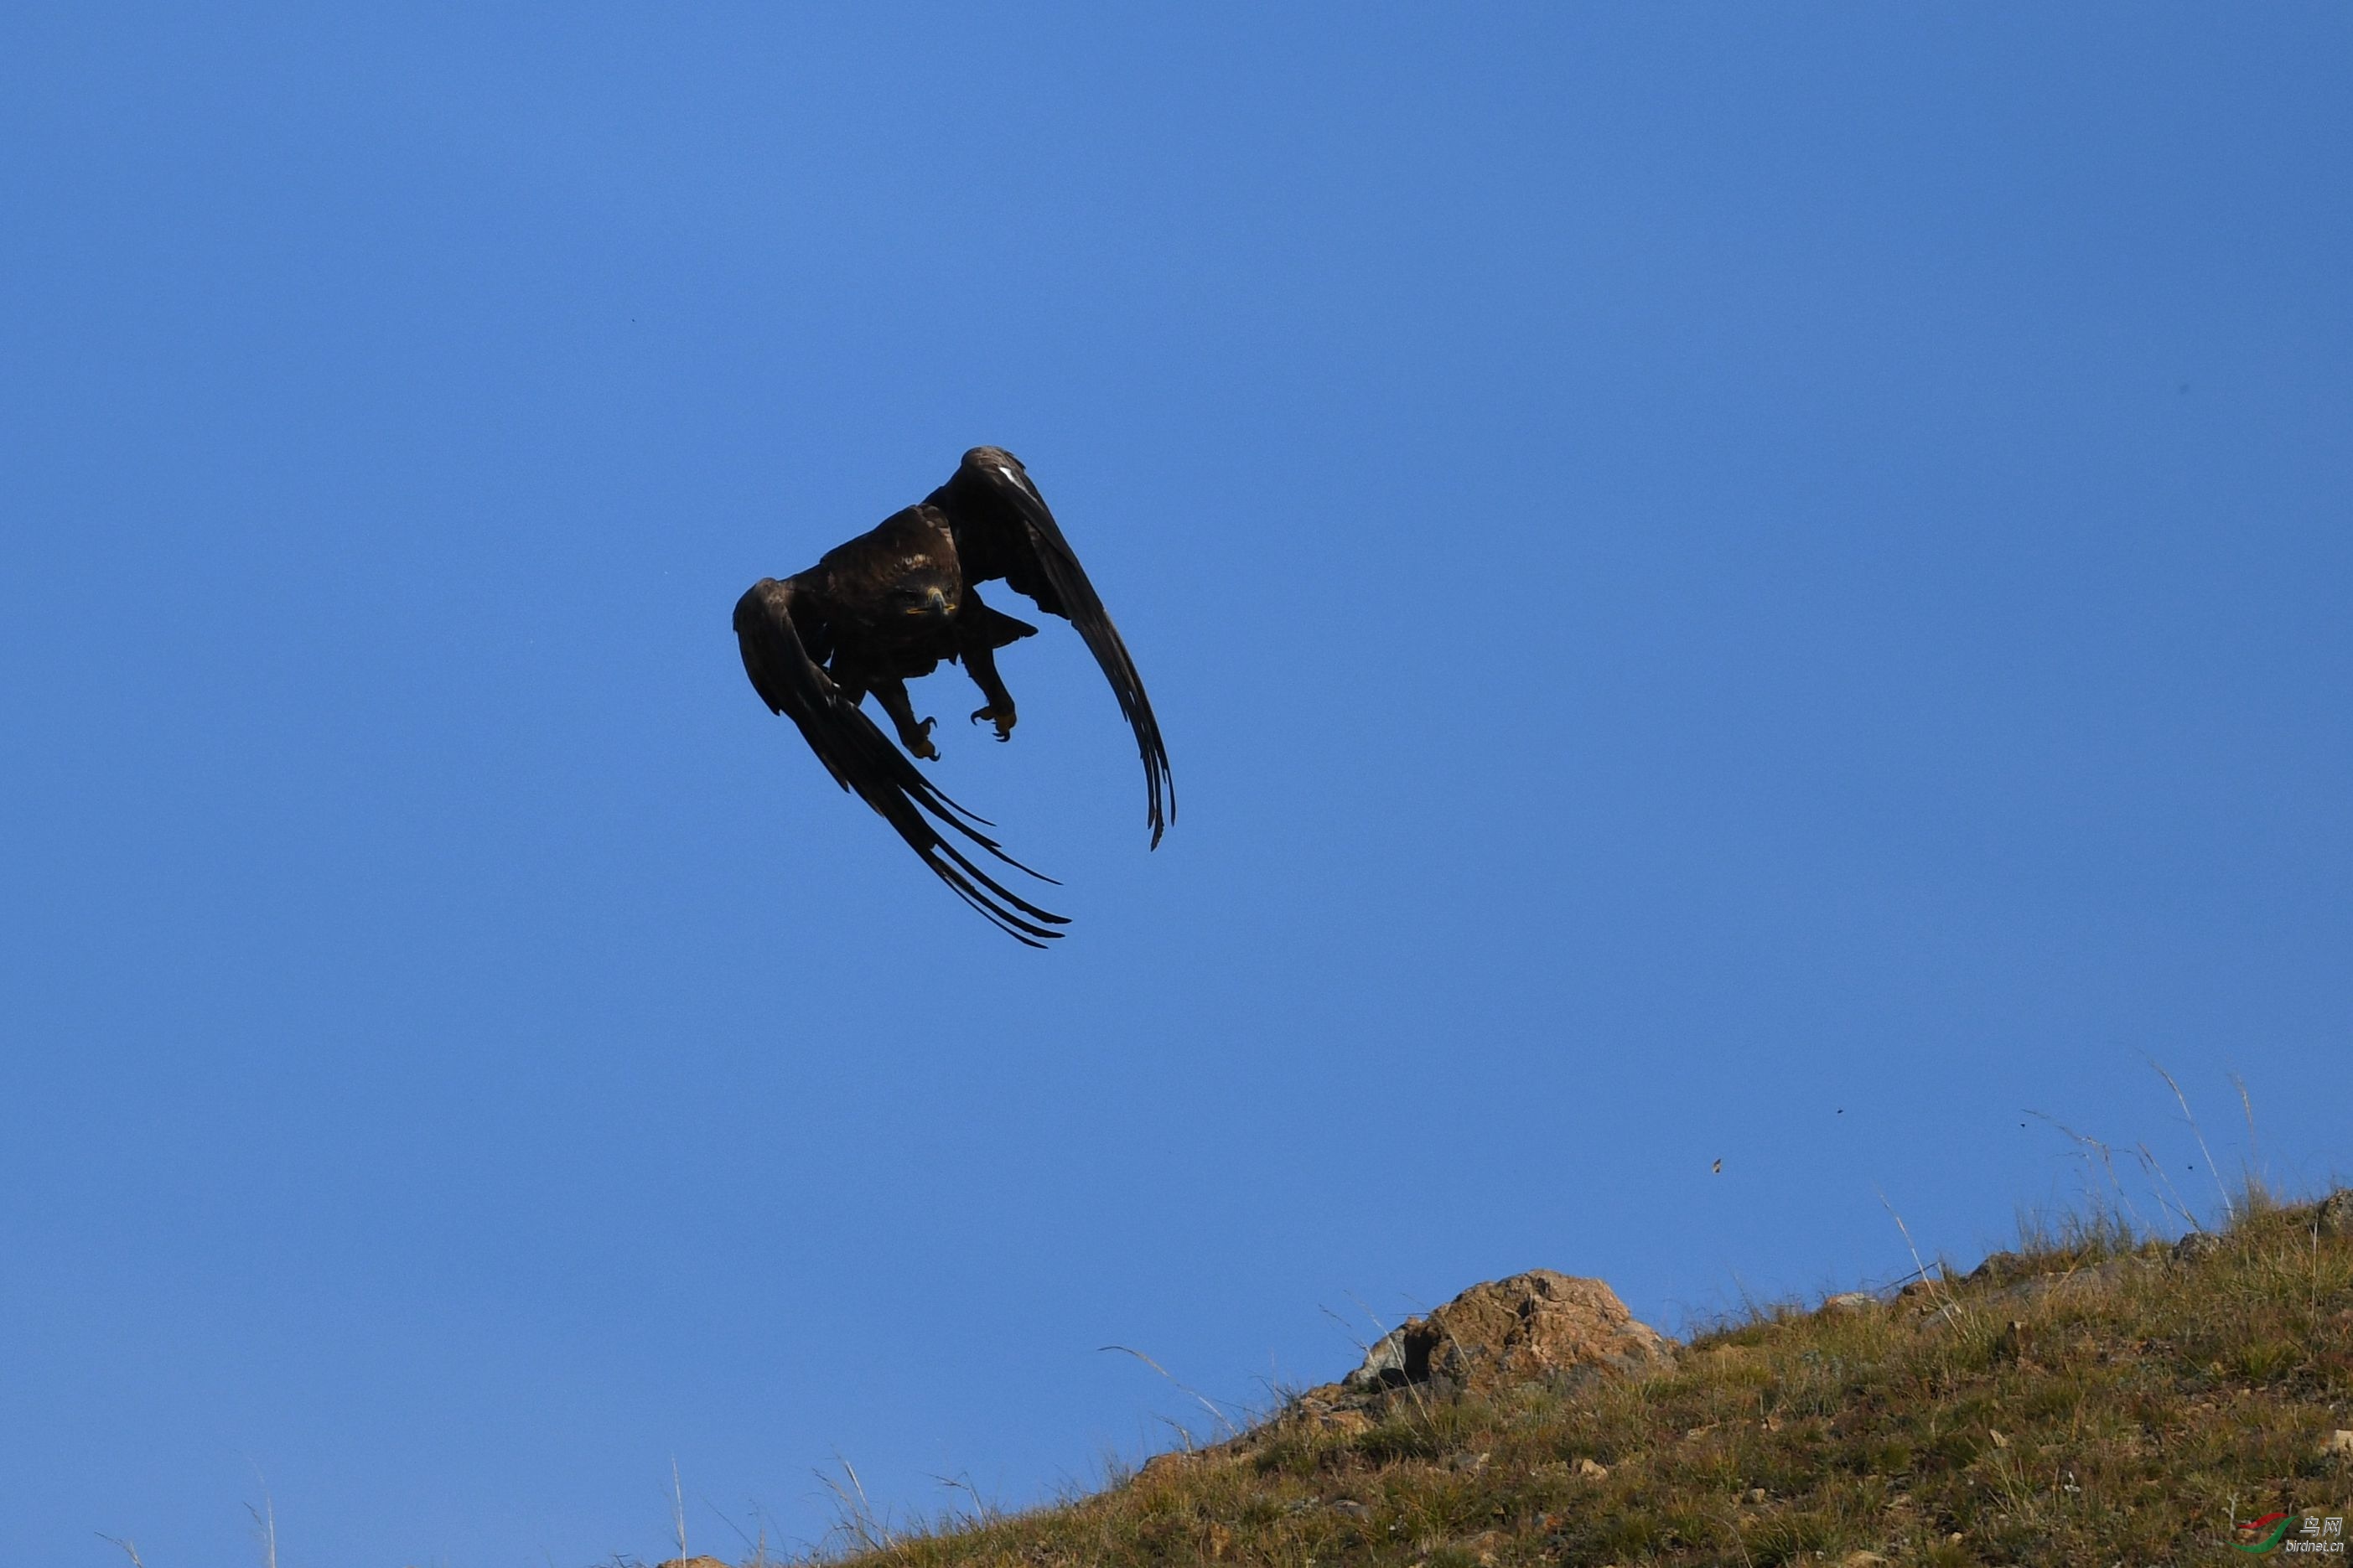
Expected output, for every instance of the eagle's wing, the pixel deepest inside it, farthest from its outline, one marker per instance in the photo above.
(861, 758)
(1035, 559)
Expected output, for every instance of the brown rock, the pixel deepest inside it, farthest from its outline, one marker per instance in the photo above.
(2335, 1215)
(1161, 1467)
(1531, 1325)
(1999, 1267)
(1484, 1545)
(691, 1562)
(1325, 1409)
(2197, 1247)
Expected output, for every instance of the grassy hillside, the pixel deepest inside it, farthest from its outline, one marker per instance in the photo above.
(2085, 1400)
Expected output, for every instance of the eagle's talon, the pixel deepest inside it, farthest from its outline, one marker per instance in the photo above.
(1004, 722)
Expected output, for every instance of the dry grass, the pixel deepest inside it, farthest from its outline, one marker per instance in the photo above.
(2085, 1399)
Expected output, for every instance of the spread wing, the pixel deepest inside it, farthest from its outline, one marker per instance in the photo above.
(861, 758)
(1019, 540)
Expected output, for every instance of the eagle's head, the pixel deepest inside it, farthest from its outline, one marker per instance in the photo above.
(927, 592)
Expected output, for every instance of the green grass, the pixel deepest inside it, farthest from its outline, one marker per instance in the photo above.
(2082, 1400)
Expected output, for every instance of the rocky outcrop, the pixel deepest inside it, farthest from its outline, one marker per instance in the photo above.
(1534, 1325)
(2331, 1217)
(1537, 1326)
(1541, 1325)
(2197, 1247)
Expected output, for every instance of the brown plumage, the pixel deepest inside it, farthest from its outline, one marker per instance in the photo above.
(889, 606)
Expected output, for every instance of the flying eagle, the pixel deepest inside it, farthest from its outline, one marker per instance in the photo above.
(886, 607)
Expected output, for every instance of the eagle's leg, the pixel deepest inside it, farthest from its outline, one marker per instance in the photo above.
(915, 736)
(981, 664)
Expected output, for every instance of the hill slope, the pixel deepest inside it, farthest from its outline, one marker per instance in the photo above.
(2087, 1402)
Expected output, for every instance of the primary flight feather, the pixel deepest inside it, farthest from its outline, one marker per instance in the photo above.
(889, 606)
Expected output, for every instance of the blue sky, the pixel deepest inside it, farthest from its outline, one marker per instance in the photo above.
(1769, 589)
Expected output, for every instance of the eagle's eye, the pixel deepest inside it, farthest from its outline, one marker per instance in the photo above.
(921, 599)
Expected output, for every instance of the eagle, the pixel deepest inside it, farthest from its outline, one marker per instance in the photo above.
(885, 608)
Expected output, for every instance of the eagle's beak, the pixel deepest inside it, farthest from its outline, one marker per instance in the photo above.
(935, 603)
